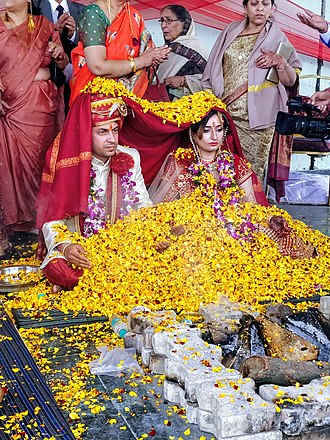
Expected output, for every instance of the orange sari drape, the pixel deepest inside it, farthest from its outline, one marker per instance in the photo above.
(126, 37)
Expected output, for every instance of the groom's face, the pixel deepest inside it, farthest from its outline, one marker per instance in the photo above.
(105, 140)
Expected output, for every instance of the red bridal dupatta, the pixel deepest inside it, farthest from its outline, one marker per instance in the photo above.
(66, 178)
(28, 126)
(126, 37)
(155, 139)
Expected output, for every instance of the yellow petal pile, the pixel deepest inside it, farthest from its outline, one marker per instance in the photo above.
(198, 267)
(190, 108)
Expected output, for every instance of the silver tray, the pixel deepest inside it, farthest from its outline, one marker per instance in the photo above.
(14, 284)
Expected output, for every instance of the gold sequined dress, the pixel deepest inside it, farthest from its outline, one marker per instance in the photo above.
(255, 143)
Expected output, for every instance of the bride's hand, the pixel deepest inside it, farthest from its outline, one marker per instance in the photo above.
(161, 246)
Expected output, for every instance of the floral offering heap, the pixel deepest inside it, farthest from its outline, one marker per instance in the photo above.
(219, 253)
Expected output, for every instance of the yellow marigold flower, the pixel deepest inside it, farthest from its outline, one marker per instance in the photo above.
(189, 108)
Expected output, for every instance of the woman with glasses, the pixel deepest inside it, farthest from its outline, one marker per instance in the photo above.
(183, 69)
(114, 42)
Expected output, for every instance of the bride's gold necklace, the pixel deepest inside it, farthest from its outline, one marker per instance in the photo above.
(208, 160)
(210, 163)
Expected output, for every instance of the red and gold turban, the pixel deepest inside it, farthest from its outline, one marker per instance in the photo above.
(106, 109)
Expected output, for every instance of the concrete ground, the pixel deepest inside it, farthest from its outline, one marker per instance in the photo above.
(317, 217)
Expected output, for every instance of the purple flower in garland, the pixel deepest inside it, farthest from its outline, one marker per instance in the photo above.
(96, 215)
(226, 171)
(130, 196)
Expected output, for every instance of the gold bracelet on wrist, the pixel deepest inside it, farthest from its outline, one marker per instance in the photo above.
(282, 65)
(268, 220)
(64, 246)
(133, 65)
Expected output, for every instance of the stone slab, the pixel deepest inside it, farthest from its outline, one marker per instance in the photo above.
(303, 407)
(240, 411)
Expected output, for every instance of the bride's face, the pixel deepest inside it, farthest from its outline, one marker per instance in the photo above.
(211, 137)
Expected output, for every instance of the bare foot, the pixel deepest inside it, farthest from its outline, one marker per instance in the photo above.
(178, 230)
(57, 288)
(162, 246)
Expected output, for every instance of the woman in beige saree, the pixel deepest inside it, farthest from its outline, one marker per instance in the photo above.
(28, 105)
(236, 71)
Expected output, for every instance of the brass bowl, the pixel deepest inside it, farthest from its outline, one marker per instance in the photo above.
(10, 278)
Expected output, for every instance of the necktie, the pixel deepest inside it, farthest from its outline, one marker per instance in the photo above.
(60, 10)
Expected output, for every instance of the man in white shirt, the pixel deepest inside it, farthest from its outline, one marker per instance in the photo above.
(314, 21)
(88, 180)
(63, 13)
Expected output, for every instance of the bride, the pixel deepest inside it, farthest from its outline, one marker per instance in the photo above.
(214, 162)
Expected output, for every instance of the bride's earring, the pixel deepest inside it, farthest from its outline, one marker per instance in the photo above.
(194, 146)
(224, 136)
(223, 143)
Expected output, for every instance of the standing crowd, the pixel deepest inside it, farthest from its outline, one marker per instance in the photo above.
(51, 50)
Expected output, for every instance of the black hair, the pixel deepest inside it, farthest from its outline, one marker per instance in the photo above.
(245, 2)
(35, 7)
(182, 14)
(199, 126)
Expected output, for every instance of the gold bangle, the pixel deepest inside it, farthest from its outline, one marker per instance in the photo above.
(133, 65)
(280, 68)
(64, 246)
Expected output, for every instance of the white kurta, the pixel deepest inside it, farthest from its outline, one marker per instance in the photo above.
(102, 172)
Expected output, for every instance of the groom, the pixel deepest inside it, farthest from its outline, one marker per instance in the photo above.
(88, 180)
